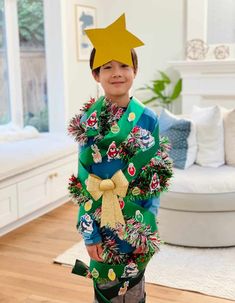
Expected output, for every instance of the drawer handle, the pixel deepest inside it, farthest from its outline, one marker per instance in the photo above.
(51, 176)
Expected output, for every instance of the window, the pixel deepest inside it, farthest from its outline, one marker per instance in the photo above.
(33, 63)
(220, 21)
(23, 85)
(5, 114)
(24, 71)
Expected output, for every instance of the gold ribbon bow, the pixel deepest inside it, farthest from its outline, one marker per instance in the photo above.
(109, 189)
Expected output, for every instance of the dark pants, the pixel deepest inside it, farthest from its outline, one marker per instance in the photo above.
(134, 295)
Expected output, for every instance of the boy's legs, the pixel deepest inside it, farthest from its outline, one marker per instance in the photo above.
(134, 295)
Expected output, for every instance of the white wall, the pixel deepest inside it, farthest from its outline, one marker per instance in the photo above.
(80, 84)
(160, 24)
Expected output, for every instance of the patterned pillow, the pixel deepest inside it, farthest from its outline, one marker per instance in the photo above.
(182, 136)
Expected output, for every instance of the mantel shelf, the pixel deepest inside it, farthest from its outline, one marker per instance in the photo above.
(204, 66)
(206, 82)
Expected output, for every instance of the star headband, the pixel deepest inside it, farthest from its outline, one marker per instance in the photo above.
(113, 43)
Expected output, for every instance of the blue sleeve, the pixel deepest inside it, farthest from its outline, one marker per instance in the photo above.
(148, 120)
(89, 230)
(151, 204)
(87, 226)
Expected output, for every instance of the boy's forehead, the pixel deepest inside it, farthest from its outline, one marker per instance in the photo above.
(113, 62)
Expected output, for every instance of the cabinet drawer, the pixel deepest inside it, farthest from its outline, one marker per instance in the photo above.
(8, 205)
(59, 181)
(33, 193)
(40, 190)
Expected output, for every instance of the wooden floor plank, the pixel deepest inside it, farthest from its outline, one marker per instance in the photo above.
(28, 275)
(39, 299)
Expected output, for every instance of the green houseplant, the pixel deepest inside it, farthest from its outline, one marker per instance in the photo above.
(164, 91)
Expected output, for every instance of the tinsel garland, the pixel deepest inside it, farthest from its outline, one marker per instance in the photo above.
(111, 254)
(160, 165)
(109, 115)
(78, 194)
(76, 128)
(136, 233)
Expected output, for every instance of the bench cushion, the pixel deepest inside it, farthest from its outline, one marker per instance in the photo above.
(20, 156)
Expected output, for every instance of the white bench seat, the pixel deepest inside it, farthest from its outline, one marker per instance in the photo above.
(34, 177)
(21, 156)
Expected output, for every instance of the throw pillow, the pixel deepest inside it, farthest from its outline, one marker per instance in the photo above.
(182, 136)
(210, 137)
(229, 136)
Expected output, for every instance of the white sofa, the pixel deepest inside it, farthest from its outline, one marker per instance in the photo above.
(199, 208)
(33, 177)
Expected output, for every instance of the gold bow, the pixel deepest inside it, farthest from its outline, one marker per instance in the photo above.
(109, 189)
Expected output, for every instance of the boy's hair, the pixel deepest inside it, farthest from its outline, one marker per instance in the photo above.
(97, 70)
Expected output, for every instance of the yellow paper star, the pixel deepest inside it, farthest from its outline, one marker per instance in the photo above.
(113, 43)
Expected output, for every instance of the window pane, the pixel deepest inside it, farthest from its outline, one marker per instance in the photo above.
(5, 114)
(221, 21)
(33, 63)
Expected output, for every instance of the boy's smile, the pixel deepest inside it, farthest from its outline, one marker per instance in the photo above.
(116, 79)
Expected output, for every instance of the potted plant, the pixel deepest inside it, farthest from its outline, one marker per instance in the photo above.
(164, 91)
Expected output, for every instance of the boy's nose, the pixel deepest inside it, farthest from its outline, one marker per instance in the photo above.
(116, 73)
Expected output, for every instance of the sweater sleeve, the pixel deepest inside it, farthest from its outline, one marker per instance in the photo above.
(87, 225)
(151, 204)
(89, 230)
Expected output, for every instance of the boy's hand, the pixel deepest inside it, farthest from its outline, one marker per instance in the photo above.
(95, 252)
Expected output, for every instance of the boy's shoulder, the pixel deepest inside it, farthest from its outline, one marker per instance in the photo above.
(148, 112)
(149, 119)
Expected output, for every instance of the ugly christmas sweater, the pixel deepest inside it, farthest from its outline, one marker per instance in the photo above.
(123, 167)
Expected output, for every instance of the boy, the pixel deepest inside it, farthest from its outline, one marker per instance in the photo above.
(122, 169)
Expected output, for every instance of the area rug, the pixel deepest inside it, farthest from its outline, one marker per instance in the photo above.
(210, 271)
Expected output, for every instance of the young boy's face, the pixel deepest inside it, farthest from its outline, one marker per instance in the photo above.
(116, 79)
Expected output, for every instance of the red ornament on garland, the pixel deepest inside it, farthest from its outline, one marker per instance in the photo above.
(121, 203)
(131, 169)
(154, 182)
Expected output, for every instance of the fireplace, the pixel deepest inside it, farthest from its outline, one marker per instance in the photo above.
(206, 83)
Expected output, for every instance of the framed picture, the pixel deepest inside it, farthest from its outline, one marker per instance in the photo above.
(85, 19)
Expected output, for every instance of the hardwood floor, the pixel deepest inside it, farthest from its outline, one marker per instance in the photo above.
(28, 275)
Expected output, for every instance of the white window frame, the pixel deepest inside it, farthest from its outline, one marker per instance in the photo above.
(197, 26)
(13, 63)
(54, 44)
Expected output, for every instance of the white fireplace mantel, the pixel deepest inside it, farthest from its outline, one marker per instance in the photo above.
(206, 83)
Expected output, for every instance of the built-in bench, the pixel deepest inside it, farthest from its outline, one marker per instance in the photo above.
(34, 177)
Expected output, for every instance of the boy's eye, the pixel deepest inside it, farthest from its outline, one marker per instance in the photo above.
(125, 65)
(107, 67)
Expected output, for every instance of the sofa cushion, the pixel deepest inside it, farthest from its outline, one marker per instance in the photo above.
(210, 137)
(20, 156)
(201, 189)
(190, 202)
(197, 179)
(229, 136)
(182, 136)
